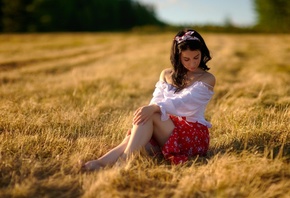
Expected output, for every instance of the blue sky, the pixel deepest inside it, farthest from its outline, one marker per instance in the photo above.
(239, 12)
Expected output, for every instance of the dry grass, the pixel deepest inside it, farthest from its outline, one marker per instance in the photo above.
(66, 97)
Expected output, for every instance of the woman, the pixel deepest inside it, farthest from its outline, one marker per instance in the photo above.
(174, 119)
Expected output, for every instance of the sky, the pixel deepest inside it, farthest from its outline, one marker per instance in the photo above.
(179, 12)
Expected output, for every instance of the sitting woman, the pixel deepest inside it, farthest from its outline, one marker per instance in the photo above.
(174, 119)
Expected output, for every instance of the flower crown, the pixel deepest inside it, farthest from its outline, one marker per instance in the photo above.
(185, 37)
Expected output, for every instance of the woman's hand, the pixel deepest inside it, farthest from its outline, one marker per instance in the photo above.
(143, 114)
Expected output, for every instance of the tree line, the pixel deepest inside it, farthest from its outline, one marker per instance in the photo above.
(115, 15)
(273, 15)
(74, 15)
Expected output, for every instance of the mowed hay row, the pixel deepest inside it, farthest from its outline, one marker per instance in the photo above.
(71, 96)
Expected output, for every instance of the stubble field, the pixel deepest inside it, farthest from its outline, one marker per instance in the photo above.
(70, 97)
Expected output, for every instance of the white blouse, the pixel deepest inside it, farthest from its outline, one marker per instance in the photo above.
(190, 102)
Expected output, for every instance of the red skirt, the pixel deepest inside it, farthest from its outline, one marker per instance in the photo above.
(188, 139)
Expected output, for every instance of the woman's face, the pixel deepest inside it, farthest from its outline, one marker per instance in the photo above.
(190, 59)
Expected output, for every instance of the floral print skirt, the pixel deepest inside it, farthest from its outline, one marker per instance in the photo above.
(188, 139)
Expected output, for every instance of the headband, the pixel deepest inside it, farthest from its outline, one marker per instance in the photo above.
(185, 37)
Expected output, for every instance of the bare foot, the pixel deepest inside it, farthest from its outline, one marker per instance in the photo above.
(93, 165)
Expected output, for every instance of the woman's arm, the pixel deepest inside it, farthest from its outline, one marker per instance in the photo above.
(158, 94)
(143, 114)
(210, 80)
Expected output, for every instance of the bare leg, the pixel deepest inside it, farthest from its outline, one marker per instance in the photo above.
(108, 159)
(140, 136)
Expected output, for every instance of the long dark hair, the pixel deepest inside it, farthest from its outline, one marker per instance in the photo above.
(193, 41)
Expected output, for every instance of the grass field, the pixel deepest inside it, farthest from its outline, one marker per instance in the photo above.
(66, 97)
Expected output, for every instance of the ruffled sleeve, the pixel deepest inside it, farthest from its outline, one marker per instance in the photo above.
(158, 94)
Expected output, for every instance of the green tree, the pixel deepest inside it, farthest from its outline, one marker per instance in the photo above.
(273, 15)
(74, 15)
(1, 15)
(15, 15)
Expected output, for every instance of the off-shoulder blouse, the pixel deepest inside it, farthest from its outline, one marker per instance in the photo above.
(190, 102)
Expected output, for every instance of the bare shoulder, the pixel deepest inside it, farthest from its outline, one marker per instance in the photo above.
(209, 78)
(166, 75)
